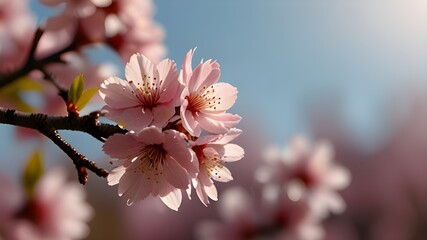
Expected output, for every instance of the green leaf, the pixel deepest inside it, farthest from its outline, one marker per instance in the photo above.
(32, 172)
(85, 98)
(12, 93)
(76, 89)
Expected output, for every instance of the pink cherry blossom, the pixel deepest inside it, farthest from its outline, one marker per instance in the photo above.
(57, 210)
(125, 25)
(149, 97)
(204, 102)
(308, 174)
(151, 162)
(238, 218)
(16, 26)
(212, 152)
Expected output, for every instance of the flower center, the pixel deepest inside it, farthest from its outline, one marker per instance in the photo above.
(204, 99)
(151, 161)
(149, 92)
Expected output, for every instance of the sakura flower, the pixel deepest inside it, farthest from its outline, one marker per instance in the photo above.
(212, 152)
(148, 97)
(238, 218)
(204, 102)
(307, 174)
(125, 25)
(151, 162)
(56, 211)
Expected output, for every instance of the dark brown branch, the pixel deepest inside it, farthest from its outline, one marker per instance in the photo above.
(88, 124)
(80, 161)
(48, 125)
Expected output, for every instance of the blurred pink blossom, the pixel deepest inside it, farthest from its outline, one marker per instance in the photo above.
(125, 25)
(204, 102)
(307, 173)
(16, 27)
(56, 211)
(151, 162)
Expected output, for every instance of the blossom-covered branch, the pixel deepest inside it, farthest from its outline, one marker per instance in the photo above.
(48, 126)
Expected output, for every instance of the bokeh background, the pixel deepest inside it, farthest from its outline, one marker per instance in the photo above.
(354, 72)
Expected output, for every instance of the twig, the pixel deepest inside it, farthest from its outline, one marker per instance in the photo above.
(81, 162)
(48, 126)
(62, 92)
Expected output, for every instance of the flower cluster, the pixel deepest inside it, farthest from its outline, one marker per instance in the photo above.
(164, 151)
(297, 192)
(125, 25)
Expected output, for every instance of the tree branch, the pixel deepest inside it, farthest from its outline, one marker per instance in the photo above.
(48, 126)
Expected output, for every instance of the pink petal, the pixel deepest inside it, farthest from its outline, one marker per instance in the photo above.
(201, 194)
(211, 192)
(221, 174)
(136, 119)
(115, 175)
(175, 174)
(137, 67)
(173, 199)
(229, 136)
(186, 66)
(151, 135)
(217, 123)
(225, 95)
(204, 75)
(117, 93)
(188, 121)
(232, 152)
(178, 149)
(162, 114)
(169, 77)
(134, 187)
(121, 146)
(338, 178)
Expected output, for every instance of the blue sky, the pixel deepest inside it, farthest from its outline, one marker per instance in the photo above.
(285, 54)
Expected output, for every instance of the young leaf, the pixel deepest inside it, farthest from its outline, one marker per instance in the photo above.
(85, 98)
(13, 93)
(32, 172)
(76, 89)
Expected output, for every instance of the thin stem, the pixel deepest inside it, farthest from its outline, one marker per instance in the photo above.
(48, 126)
(80, 161)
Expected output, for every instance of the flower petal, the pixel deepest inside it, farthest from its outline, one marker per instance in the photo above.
(121, 146)
(117, 93)
(137, 67)
(172, 199)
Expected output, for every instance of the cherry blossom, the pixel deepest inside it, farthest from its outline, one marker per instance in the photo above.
(307, 174)
(151, 162)
(148, 97)
(16, 22)
(204, 101)
(56, 211)
(212, 152)
(238, 218)
(125, 25)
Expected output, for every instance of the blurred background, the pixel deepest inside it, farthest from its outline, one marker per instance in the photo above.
(353, 72)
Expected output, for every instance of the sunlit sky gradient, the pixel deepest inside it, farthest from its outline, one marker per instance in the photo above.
(284, 55)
